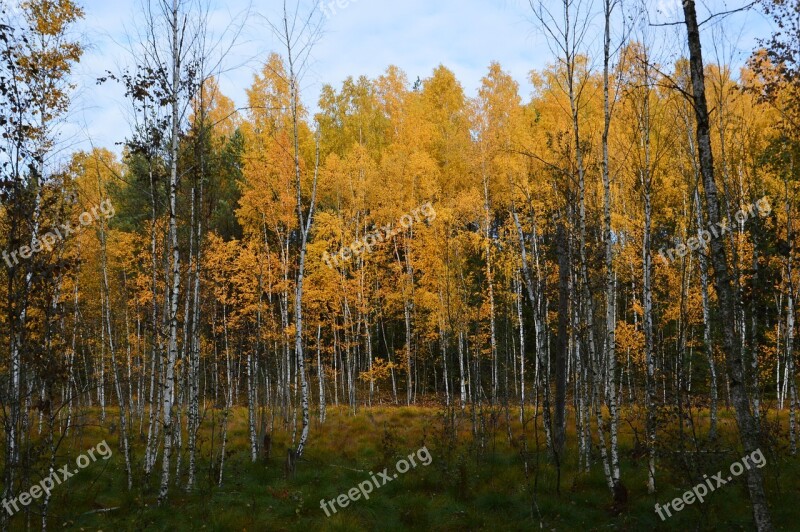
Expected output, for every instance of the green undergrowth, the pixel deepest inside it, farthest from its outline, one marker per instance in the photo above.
(467, 486)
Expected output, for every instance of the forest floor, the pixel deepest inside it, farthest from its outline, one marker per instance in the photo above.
(460, 488)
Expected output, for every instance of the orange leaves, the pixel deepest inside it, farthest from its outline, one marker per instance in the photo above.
(630, 340)
(51, 17)
(380, 370)
(217, 112)
(45, 57)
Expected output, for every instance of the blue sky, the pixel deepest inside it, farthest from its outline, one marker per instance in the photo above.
(366, 36)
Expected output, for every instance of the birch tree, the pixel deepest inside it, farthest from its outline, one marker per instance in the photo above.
(748, 427)
(297, 33)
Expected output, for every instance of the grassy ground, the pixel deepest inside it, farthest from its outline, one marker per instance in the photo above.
(463, 488)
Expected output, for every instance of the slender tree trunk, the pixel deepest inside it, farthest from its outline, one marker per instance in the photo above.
(535, 295)
(748, 428)
(521, 325)
(562, 345)
(121, 397)
(790, 371)
(320, 375)
(174, 293)
(647, 317)
(194, 352)
(707, 341)
(611, 313)
(304, 225)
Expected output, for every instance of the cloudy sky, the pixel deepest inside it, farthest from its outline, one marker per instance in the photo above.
(363, 38)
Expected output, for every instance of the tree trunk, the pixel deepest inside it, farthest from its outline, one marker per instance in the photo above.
(748, 428)
(562, 345)
(174, 293)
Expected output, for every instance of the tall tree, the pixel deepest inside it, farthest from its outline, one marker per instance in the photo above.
(748, 426)
(37, 55)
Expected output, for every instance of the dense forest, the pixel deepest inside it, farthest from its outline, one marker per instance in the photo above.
(593, 287)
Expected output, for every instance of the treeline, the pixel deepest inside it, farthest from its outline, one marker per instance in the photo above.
(488, 251)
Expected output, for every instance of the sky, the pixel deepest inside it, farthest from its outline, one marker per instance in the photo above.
(364, 37)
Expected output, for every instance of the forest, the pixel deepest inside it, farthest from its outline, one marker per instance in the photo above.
(573, 309)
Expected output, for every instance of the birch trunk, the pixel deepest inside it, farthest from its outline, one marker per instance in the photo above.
(174, 292)
(320, 375)
(748, 428)
(707, 342)
(790, 371)
(562, 344)
(121, 397)
(304, 224)
(611, 313)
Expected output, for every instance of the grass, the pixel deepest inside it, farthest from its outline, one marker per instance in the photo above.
(463, 488)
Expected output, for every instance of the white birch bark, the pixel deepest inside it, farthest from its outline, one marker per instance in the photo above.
(174, 291)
